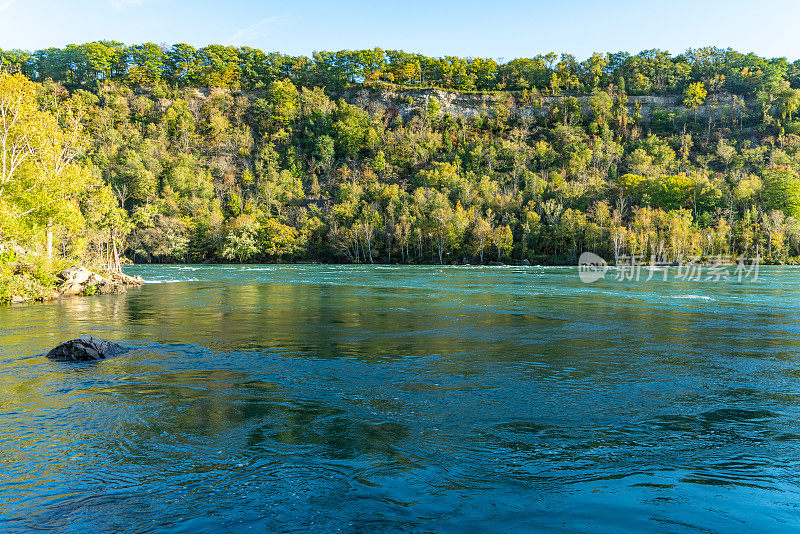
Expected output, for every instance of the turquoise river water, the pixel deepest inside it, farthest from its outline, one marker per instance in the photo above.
(320, 398)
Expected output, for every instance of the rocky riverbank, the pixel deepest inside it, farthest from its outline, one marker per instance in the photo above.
(71, 282)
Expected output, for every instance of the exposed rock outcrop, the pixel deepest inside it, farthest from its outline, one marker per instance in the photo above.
(69, 282)
(82, 281)
(76, 275)
(85, 349)
(407, 102)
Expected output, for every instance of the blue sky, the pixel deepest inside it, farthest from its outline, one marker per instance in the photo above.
(499, 29)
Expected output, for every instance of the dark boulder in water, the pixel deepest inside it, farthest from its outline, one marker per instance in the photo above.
(85, 349)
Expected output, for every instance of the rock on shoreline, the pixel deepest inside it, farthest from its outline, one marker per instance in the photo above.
(78, 280)
(82, 281)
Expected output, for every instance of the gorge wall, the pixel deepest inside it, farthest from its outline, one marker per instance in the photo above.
(408, 103)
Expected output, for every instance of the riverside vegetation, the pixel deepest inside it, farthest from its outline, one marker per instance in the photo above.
(179, 154)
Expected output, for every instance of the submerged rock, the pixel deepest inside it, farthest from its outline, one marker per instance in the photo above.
(85, 349)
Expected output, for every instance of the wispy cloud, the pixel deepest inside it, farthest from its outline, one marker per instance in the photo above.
(5, 5)
(251, 32)
(122, 4)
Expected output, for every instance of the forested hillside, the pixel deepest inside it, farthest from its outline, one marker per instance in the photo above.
(649, 72)
(231, 154)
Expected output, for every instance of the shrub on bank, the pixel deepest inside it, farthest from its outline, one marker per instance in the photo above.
(29, 278)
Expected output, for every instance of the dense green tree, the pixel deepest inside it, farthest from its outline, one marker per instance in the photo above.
(781, 190)
(280, 158)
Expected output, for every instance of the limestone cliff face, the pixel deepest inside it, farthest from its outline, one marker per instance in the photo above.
(407, 103)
